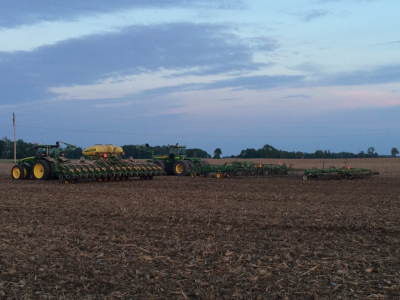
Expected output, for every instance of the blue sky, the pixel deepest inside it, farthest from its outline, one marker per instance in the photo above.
(309, 75)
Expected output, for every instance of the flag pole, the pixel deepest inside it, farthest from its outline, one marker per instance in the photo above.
(15, 141)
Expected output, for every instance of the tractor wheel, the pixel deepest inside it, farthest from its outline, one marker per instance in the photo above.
(190, 163)
(161, 164)
(52, 170)
(17, 172)
(219, 175)
(181, 168)
(27, 170)
(41, 170)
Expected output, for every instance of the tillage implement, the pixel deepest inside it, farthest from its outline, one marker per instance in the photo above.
(175, 162)
(338, 173)
(104, 163)
(239, 169)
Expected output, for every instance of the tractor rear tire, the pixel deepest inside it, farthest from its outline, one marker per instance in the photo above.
(161, 164)
(52, 170)
(181, 168)
(41, 170)
(17, 172)
(190, 163)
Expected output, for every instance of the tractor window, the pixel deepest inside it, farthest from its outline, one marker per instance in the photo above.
(41, 151)
(51, 151)
(173, 150)
(177, 151)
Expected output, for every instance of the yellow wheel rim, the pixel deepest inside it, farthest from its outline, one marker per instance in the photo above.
(66, 181)
(16, 173)
(99, 179)
(117, 178)
(219, 175)
(38, 171)
(179, 168)
(25, 173)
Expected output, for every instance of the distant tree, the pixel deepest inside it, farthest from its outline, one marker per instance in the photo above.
(371, 150)
(299, 154)
(394, 152)
(197, 153)
(319, 154)
(3, 148)
(362, 154)
(8, 152)
(217, 153)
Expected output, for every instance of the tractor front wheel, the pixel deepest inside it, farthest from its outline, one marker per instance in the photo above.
(41, 170)
(17, 172)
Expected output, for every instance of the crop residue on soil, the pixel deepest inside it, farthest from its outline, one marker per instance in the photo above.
(183, 238)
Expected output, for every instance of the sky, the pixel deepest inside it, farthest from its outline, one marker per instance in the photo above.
(232, 74)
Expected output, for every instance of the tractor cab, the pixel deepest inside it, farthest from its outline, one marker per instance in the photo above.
(177, 150)
(47, 150)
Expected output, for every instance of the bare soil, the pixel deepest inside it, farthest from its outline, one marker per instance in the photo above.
(202, 238)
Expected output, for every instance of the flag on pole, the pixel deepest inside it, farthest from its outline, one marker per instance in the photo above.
(13, 119)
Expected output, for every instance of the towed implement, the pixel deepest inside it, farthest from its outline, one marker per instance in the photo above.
(104, 163)
(250, 169)
(341, 173)
(239, 169)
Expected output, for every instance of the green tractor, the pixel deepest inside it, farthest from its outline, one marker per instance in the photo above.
(175, 162)
(42, 165)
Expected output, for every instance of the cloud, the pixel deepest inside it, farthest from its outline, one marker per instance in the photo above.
(380, 75)
(16, 13)
(187, 48)
(298, 96)
(312, 15)
(262, 82)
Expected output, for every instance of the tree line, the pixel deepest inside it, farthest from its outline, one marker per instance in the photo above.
(267, 151)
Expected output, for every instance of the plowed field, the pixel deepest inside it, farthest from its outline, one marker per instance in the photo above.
(203, 238)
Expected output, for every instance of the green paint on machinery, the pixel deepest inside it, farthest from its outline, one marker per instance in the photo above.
(341, 173)
(104, 163)
(175, 162)
(250, 169)
(239, 169)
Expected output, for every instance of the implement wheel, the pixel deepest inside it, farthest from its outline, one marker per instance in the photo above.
(181, 168)
(219, 175)
(17, 172)
(41, 170)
